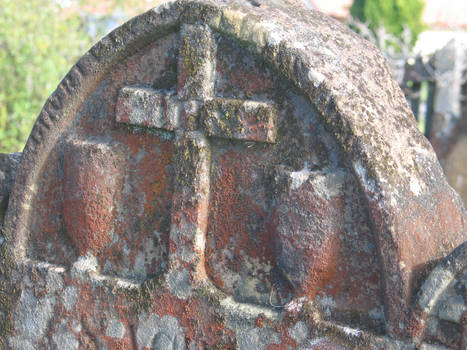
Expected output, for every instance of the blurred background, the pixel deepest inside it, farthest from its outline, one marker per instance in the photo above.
(424, 41)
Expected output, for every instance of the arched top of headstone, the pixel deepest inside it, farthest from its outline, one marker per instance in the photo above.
(341, 82)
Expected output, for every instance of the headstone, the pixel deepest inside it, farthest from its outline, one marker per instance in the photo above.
(224, 174)
(449, 129)
(456, 162)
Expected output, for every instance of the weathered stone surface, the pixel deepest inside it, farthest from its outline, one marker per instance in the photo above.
(442, 303)
(241, 120)
(8, 165)
(92, 182)
(227, 174)
(147, 107)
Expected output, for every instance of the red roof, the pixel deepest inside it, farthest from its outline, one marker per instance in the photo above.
(437, 13)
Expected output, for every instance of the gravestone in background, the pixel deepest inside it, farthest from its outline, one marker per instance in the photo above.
(449, 130)
(229, 174)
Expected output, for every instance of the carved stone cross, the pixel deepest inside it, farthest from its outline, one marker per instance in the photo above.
(194, 114)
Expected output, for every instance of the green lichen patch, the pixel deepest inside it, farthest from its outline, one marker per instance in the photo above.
(195, 12)
(212, 295)
(142, 298)
(238, 119)
(196, 67)
(192, 54)
(189, 161)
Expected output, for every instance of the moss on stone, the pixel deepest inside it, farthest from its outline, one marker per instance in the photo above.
(142, 299)
(211, 294)
(188, 160)
(194, 12)
(192, 56)
(229, 118)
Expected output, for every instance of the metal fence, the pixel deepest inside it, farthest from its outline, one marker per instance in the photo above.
(419, 86)
(422, 81)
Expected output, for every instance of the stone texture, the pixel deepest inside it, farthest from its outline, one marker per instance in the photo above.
(8, 165)
(442, 319)
(227, 174)
(241, 120)
(93, 178)
(147, 107)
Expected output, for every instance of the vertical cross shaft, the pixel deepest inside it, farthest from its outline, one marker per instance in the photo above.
(193, 113)
(193, 155)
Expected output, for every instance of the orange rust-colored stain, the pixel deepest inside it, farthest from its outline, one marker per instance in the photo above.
(324, 269)
(425, 238)
(416, 325)
(199, 320)
(259, 321)
(146, 206)
(88, 202)
(321, 253)
(254, 81)
(49, 241)
(286, 341)
(237, 221)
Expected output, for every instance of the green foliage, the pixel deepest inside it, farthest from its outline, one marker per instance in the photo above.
(39, 42)
(391, 14)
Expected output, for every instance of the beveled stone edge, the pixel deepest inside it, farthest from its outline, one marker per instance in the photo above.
(435, 285)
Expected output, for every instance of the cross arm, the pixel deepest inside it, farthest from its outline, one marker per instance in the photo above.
(240, 119)
(148, 107)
